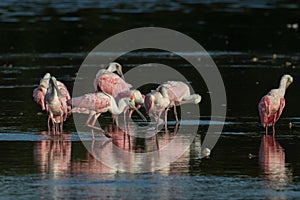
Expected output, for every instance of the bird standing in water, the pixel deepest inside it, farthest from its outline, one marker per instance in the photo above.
(95, 104)
(56, 105)
(136, 98)
(110, 83)
(156, 102)
(179, 93)
(271, 105)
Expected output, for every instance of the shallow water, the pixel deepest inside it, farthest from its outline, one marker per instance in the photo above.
(252, 44)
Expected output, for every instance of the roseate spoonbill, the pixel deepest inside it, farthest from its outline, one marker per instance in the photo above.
(157, 102)
(96, 103)
(271, 105)
(108, 82)
(136, 97)
(179, 93)
(56, 104)
(40, 92)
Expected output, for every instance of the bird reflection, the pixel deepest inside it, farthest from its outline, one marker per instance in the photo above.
(128, 153)
(53, 155)
(272, 163)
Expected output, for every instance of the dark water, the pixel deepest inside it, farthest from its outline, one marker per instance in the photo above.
(252, 44)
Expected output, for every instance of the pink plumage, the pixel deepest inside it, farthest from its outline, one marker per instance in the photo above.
(179, 93)
(39, 96)
(271, 105)
(94, 102)
(148, 103)
(109, 82)
(270, 110)
(40, 92)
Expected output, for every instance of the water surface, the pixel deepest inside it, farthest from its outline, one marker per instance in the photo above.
(252, 44)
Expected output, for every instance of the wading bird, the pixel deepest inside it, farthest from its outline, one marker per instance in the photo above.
(56, 105)
(179, 93)
(108, 82)
(96, 103)
(136, 98)
(156, 102)
(271, 105)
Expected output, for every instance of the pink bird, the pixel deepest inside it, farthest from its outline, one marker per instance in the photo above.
(156, 103)
(271, 105)
(56, 105)
(96, 103)
(108, 82)
(40, 92)
(179, 93)
(136, 98)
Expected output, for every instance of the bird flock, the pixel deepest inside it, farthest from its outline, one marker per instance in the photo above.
(113, 94)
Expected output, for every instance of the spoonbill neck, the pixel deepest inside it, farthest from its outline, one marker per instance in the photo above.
(118, 109)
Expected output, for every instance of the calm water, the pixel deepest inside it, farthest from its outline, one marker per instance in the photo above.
(253, 44)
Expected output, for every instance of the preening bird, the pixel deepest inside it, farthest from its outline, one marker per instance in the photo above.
(110, 83)
(271, 105)
(56, 105)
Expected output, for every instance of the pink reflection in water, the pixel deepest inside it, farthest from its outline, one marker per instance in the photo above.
(272, 163)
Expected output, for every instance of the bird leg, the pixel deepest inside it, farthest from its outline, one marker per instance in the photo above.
(49, 124)
(175, 113)
(266, 129)
(273, 130)
(95, 127)
(61, 125)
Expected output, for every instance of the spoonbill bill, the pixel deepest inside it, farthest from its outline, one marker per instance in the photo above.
(56, 104)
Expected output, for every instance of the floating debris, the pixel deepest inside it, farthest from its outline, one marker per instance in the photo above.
(205, 152)
(291, 125)
(288, 64)
(293, 26)
(254, 59)
(250, 156)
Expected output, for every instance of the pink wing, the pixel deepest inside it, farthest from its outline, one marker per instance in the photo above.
(124, 94)
(112, 84)
(177, 90)
(39, 96)
(97, 102)
(63, 101)
(279, 112)
(148, 102)
(264, 108)
(63, 90)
